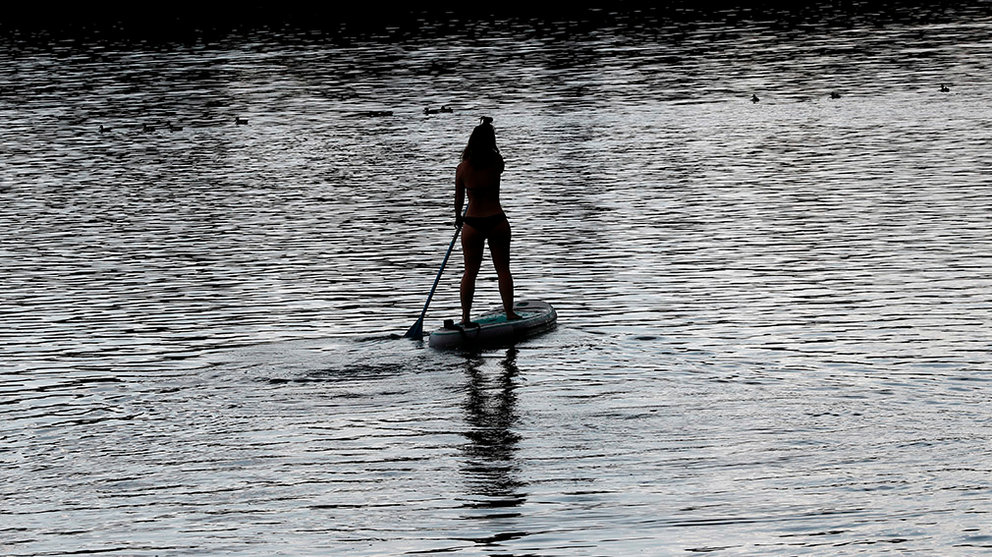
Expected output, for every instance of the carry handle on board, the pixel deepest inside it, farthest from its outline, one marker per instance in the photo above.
(417, 329)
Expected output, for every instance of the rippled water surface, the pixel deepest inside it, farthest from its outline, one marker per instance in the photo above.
(775, 318)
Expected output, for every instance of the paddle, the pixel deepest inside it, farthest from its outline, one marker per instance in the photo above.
(417, 329)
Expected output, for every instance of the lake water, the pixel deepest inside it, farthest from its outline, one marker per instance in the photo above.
(775, 318)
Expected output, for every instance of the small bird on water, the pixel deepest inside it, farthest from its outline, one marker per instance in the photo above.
(754, 98)
(944, 88)
(240, 121)
(835, 95)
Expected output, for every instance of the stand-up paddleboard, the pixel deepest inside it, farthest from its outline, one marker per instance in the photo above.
(493, 328)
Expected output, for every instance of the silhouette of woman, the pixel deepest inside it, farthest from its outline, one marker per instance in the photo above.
(478, 175)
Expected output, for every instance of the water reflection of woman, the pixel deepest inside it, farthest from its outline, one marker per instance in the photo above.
(479, 174)
(490, 405)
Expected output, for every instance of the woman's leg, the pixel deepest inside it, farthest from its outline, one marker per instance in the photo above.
(473, 246)
(499, 248)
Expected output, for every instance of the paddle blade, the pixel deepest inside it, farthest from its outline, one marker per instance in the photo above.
(416, 330)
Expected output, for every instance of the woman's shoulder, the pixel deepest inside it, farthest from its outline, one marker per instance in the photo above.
(466, 166)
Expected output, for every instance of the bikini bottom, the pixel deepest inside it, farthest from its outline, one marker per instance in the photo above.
(485, 225)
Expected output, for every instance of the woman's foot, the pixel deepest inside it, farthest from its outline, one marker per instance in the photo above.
(513, 316)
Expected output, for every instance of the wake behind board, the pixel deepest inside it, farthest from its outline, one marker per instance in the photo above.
(494, 329)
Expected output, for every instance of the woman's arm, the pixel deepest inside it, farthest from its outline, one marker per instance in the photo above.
(459, 195)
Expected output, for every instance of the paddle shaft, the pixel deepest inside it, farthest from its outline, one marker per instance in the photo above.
(417, 329)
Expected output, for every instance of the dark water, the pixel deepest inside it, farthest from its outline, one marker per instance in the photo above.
(775, 317)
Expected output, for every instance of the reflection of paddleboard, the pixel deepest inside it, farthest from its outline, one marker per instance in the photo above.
(493, 328)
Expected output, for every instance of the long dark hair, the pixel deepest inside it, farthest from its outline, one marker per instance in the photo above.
(481, 151)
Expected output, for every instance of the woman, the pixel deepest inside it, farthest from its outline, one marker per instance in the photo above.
(478, 174)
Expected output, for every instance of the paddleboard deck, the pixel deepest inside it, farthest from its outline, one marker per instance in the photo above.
(494, 329)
